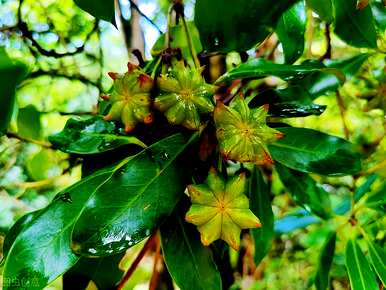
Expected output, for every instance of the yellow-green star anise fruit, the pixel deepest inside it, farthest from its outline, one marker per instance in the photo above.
(130, 98)
(184, 95)
(242, 133)
(221, 209)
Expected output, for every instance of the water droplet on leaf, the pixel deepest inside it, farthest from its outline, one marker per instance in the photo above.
(65, 197)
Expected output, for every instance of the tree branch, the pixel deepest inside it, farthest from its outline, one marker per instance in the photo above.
(342, 109)
(135, 6)
(23, 28)
(56, 74)
(25, 139)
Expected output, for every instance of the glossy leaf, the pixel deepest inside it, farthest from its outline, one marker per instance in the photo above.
(320, 83)
(378, 260)
(293, 101)
(354, 26)
(133, 201)
(40, 259)
(305, 191)
(28, 122)
(20, 224)
(260, 205)
(11, 74)
(358, 268)
(290, 30)
(307, 150)
(189, 262)
(293, 110)
(226, 27)
(325, 261)
(260, 68)
(322, 8)
(104, 272)
(298, 220)
(101, 9)
(91, 136)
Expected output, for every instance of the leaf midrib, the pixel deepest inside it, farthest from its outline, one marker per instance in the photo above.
(71, 221)
(190, 250)
(294, 148)
(140, 193)
(378, 257)
(355, 250)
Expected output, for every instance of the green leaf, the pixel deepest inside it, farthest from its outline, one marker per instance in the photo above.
(354, 26)
(28, 123)
(325, 261)
(358, 268)
(128, 206)
(260, 204)
(260, 68)
(378, 260)
(290, 30)
(293, 101)
(365, 187)
(189, 262)
(377, 199)
(311, 151)
(20, 224)
(379, 14)
(101, 9)
(11, 74)
(305, 191)
(295, 109)
(322, 8)
(178, 40)
(40, 259)
(91, 136)
(104, 272)
(321, 83)
(44, 164)
(225, 26)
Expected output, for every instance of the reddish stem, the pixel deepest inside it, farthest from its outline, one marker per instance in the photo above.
(157, 258)
(149, 243)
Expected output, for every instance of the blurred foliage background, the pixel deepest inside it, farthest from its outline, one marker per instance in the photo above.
(69, 53)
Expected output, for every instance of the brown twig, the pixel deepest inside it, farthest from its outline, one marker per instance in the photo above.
(327, 33)
(25, 139)
(271, 55)
(135, 6)
(8, 29)
(149, 243)
(157, 257)
(342, 109)
(57, 74)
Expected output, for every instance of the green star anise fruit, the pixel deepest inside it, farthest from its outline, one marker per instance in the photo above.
(184, 95)
(130, 98)
(242, 132)
(220, 209)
